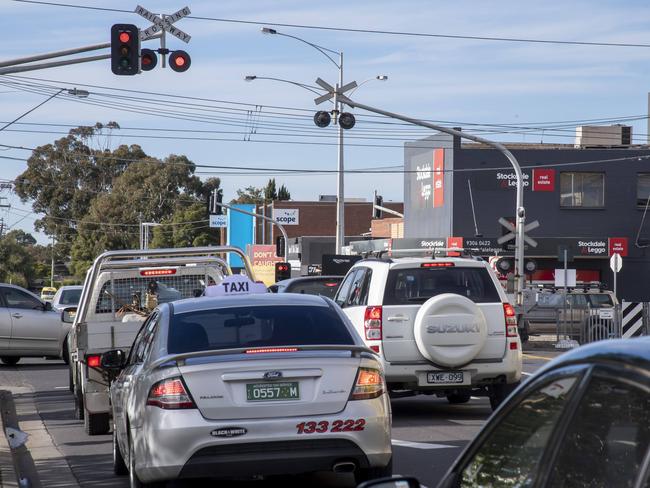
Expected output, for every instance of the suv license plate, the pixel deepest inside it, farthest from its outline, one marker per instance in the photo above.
(264, 392)
(446, 378)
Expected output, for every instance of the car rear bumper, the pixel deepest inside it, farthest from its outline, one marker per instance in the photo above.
(179, 443)
(273, 458)
(413, 376)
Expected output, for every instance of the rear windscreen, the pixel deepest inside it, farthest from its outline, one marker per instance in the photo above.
(70, 297)
(132, 291)
(326, 288)
(600, 301)
(417, 285)
(267, 326)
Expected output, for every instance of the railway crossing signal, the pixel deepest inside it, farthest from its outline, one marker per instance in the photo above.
(125, 50)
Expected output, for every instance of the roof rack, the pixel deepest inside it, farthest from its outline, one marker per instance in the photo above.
(432, 251)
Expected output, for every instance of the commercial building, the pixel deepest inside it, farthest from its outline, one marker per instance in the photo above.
(591, 200)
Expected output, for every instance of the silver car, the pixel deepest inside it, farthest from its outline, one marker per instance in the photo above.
(248, 386)
(66, 296)
(29, 327)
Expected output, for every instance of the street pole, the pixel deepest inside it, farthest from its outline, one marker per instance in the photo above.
(263, 217)
(520, 212)
(52, 268)
(340, 186)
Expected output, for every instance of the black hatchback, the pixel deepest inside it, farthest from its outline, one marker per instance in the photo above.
(582, 421)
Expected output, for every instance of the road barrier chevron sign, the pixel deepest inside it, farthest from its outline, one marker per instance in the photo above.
(635, 319)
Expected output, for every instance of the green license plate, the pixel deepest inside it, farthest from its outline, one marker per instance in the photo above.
(264, 392)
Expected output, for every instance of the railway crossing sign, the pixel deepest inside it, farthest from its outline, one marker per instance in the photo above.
(512, 234)
(163, 23)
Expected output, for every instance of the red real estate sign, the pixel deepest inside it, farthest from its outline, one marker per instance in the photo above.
(618, 245)
(438, 178)
(543, 179)
(454, 243)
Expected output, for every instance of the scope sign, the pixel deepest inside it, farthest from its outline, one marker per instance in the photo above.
(286, 216)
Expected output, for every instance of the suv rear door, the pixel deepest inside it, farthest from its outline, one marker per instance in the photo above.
(353, 296)
(409, 286)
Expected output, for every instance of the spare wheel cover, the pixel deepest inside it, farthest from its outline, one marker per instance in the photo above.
(450, 330)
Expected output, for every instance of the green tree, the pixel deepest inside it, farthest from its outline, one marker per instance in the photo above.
(63, 178)
(250, 194)
(187, 227)
(270, 192)
(17, 263)
(147, 191)
(283, 193)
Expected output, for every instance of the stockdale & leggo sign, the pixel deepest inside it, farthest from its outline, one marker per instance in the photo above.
(286, 216)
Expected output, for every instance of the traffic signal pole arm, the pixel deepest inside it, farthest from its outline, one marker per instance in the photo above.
(520, 212)
(263, 217)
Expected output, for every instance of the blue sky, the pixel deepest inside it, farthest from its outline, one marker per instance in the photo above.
(461, 81)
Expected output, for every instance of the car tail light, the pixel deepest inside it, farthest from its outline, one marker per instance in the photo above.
(375, 348)
(170, 394)
(157, 272)
(369, 384)
(511, 320)
(94, 360)
(372, 323)
(437, 264)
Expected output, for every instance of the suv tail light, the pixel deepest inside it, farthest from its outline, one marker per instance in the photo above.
(369, 384)
(372, 323)
(511, 320)
(170, 394)
(94, 360)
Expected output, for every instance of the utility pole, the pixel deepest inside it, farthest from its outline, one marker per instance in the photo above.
(520, 211)
(52, 268)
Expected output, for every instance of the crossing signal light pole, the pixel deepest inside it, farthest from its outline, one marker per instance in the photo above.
(125, 49)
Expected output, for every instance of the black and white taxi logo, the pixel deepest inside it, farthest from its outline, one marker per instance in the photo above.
(272, 375)
(229, 432)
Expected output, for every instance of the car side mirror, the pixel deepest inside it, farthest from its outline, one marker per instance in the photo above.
(115, 359)
(398, 482)
(47, 306)
(68, 314)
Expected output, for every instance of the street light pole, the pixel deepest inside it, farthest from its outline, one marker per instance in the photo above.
(520, 212)
(340, 182)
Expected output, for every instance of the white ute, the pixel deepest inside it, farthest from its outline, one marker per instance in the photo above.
(441, 325)
(120, 290)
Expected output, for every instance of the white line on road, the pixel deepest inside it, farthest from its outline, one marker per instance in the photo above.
(526, 374)
(420, 445)
(60, 387)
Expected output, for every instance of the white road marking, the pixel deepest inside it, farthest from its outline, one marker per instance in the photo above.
(475, 398)
(420, 445)
(60, 387)
(526, 374)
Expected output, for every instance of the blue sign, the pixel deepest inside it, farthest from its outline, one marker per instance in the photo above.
(241, 231)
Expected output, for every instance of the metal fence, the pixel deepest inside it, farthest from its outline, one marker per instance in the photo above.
(587, 324)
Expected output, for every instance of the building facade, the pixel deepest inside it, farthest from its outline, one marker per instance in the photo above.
(591, 201)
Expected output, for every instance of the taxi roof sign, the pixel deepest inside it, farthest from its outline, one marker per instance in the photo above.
(235, 285)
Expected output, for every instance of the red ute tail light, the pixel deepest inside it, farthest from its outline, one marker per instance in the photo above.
(369, 384)
(437, 265)
(94, 361)
(170, 394)
(511, 320)
(372, 323)
(157, 272)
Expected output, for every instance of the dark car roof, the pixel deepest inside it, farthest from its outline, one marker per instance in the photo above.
(299, 279)
(632, 352)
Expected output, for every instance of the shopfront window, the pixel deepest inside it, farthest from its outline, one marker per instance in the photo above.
(582, 190)
(642, 189)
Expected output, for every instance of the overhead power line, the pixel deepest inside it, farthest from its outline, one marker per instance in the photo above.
(367, 31)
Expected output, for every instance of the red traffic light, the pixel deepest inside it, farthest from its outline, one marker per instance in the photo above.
(148, 59)
(125, 37)
(179, 61)
(282, 271)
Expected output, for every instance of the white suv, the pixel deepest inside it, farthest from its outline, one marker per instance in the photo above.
(441, 325)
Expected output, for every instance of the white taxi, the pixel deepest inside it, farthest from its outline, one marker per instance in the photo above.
(247, 384)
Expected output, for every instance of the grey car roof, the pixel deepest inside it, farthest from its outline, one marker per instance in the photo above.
(253, 300)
